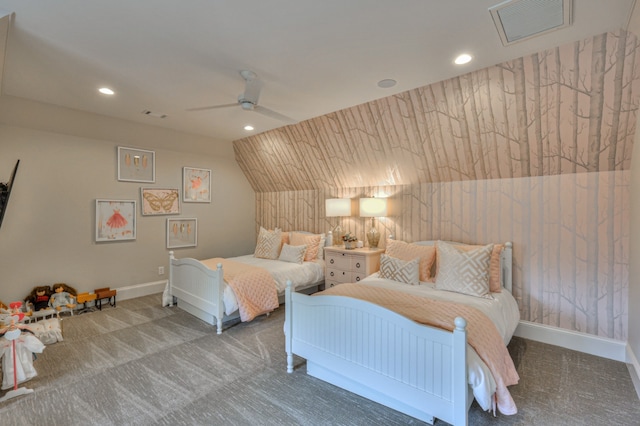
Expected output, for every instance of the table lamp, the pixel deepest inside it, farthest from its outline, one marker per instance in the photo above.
(373, 207)
(336, 207)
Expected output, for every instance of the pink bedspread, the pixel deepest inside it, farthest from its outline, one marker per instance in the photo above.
(254, 287)
(481, 332)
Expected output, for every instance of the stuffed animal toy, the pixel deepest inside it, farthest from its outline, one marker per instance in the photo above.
(63, 297)
(39, 297)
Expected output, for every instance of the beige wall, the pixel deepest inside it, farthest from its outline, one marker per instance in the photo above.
(67, 160)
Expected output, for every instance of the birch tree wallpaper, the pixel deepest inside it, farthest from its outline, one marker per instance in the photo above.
(535, 151)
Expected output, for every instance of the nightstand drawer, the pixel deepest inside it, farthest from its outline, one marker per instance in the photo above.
(338, 261)
(356, 278)
(358, 264)
(338, 275)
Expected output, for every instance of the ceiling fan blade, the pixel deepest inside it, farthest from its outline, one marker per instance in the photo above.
(270, 113)
(212, 107)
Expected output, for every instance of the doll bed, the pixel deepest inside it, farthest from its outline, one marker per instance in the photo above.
(202, 292)
(416, 369)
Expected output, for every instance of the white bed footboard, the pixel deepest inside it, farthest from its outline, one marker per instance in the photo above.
(380, 355)
(198, 288)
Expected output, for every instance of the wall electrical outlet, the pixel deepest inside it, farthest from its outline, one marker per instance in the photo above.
(160, 270)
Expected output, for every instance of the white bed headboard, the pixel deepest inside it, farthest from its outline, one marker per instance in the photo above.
(506, 261)
(328, 242)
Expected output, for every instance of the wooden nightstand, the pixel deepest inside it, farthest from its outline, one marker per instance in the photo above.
(349, 266)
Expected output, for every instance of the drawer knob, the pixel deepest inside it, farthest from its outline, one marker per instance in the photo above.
(331, 261)
(331, 273)
(357, 279)
(357, 264)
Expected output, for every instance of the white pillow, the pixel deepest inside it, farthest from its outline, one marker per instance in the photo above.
(403, 271)
(463, 271)
(293, 254)
(268, 246)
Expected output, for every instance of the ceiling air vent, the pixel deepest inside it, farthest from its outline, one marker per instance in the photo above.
(517, 20)
(154, 114)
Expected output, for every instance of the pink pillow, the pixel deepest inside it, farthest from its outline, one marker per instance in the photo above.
(407, 252)
(312, 241)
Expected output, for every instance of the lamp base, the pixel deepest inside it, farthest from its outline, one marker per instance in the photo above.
(337, 235)
(373, 237)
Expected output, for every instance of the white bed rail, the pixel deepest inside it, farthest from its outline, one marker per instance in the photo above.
(380, 355)
(198, 288)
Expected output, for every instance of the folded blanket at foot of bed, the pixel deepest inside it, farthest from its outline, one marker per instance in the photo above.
(253, 286)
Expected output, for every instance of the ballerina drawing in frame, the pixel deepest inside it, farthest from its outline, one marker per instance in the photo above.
(115, 220)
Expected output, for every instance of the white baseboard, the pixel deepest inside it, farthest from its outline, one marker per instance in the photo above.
(582, 342)
(139, 290)
(634, 369)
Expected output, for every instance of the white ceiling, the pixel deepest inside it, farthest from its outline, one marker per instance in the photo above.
(312, 57)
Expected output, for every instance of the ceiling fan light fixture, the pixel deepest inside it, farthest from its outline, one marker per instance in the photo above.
(246, 105)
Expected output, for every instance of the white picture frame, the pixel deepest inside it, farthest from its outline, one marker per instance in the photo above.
(159, 201)
(136, 165)
(196, 185)
(182, 232)
(115, 220)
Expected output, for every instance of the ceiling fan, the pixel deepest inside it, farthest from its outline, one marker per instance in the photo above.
(249, 99)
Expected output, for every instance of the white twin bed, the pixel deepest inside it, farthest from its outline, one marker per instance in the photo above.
(420, 370)
(200, 289)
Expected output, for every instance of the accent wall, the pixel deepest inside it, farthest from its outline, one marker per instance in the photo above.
(536, 151)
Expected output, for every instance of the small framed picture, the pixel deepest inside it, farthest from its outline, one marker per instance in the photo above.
(182, 232)
(136, 165)
(196, 185)
(115, 220)
(155, 201)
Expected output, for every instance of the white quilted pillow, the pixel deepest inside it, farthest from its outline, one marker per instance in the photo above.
(293, 254)
(407, 272)
(268, 246)
(463, 271)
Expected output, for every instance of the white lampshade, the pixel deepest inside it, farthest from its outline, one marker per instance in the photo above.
(373, 207)
(335, 207)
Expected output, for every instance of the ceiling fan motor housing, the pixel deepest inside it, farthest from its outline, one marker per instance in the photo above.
(246, 105)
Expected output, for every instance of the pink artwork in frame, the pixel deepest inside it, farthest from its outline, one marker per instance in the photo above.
(115, 220)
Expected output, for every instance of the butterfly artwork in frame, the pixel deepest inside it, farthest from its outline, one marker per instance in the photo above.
(157, 201)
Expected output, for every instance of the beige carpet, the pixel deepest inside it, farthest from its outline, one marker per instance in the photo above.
(143, 364)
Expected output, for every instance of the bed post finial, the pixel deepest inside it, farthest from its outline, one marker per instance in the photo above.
(459, 385)
(288, 325)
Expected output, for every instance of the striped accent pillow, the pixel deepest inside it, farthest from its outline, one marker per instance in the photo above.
(268, 246)
(407, 272)
(464, 271)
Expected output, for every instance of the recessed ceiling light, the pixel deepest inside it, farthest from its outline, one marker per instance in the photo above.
(248, 127)
(465, 58)
(106, 91)
(386, 83)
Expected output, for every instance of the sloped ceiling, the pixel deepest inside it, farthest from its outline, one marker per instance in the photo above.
(570, 109)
